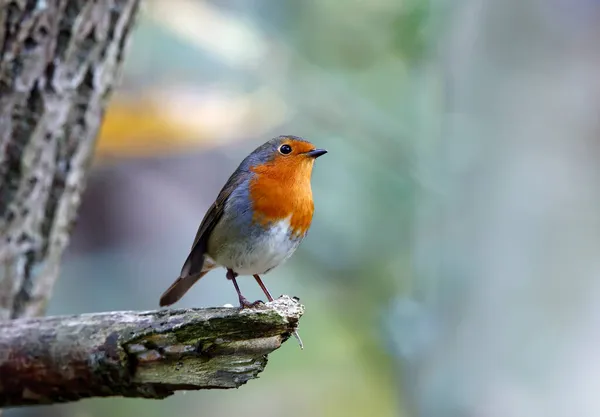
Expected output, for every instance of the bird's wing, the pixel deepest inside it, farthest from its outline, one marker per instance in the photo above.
(193, 266)
(195, 260)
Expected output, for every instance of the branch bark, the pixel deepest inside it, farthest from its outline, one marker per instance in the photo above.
(138, 354)
(59, 60)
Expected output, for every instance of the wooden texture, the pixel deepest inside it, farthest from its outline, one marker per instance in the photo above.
(138, 354)
(59, 60)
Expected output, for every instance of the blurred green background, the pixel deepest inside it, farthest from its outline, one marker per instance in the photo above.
(205, 82)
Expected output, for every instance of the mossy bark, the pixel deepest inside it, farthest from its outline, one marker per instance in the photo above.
(138, 354)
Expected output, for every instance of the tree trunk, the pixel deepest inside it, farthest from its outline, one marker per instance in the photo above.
(59, 60)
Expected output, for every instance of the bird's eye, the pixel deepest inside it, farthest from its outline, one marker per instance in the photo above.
(285, 149)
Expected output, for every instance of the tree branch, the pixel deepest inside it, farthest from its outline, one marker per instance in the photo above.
(138, 354)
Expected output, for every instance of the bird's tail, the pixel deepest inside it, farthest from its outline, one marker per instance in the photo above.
(179, 288)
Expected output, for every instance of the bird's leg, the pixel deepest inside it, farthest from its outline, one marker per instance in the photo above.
(270, 298)
(263, 287)
(244, 303)
(231, 276)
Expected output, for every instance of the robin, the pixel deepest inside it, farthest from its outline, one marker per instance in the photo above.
(259, 219)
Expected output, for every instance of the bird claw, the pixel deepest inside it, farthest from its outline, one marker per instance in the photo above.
(244, 303)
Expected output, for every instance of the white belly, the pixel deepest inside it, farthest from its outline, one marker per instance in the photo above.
(261, 254)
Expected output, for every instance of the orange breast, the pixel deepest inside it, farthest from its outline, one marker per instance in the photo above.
(282, 189)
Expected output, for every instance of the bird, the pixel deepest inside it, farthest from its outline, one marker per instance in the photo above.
(258, 220)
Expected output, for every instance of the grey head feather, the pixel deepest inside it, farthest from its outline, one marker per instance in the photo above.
(267, 151)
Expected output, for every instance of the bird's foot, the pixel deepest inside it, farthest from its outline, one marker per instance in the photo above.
(244, 303)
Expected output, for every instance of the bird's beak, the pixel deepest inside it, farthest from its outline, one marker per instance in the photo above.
(315, 153)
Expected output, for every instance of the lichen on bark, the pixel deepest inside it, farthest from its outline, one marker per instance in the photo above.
(139, 354)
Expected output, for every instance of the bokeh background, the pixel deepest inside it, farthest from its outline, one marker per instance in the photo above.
(452, 267)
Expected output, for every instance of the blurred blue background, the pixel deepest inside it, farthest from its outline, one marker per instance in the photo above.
(451, 269)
